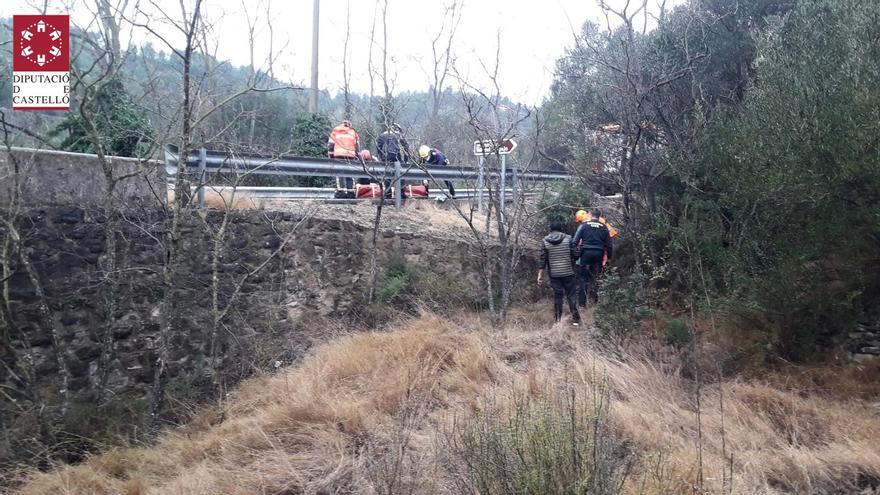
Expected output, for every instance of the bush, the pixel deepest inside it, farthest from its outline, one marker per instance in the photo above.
(396, 286)
(564, 203)
(677, 333)
(623, 302)
(562, 443)
(406, 287)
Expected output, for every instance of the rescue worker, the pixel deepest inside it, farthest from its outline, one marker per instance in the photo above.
(582, 216)
(392, 147)
(593, 240)
(344, 143)
(433, 156)
(557, 254)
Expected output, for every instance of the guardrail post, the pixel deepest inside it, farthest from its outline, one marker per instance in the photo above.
(203, 158)
(513, 186)
(503, 182)
(480, 186)
(398, 191)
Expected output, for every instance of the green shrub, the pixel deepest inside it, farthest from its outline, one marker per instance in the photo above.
(677, 333)
(624, 302)
(562, 443)
(405, 287)
(564, 202)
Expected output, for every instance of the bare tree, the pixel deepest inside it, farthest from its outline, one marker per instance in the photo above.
(442, 61)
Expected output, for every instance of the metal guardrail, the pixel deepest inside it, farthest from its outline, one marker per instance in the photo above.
(261, 192)
(204, 162)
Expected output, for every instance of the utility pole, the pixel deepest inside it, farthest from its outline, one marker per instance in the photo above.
(313, 94)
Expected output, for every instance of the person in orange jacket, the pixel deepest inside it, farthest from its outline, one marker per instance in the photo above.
(344, 143)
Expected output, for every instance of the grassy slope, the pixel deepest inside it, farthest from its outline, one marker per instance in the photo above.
(369, 413)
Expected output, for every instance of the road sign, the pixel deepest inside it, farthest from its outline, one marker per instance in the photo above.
(488, 147)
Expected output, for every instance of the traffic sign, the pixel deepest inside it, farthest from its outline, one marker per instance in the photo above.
(488, 147)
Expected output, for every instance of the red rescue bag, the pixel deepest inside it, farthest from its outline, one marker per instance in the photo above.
(415, 191)
(365, 191)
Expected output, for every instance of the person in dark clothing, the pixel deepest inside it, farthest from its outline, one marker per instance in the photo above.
(557, 254)
(593, 242)
(392, 147)
(433, 156)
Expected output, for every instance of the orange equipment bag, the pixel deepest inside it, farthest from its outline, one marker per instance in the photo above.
(364, 191)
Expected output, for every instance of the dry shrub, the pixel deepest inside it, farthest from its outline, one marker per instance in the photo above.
(779, 442)
(365, 414)
(545, 442)
(297, 431)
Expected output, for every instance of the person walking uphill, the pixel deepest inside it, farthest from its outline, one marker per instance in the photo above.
(344, 143)
(594, 242)
(557, 254)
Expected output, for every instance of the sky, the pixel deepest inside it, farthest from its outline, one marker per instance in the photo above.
(532, 35)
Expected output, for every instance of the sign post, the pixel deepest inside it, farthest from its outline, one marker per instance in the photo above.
(480, 185)
(503, 181)
(484, 148)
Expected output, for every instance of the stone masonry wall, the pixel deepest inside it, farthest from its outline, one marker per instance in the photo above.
(108, 323)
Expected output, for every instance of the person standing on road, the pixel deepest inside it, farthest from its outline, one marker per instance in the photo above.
(392, 147)
(344, 143)
(557, 254)
(433, 156)
(594, 243)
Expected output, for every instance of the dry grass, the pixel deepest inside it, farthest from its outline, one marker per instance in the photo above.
(223, 200)
(365, 414)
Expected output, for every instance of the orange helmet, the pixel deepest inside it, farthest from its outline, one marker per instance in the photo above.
(366, 156)
(581, 216)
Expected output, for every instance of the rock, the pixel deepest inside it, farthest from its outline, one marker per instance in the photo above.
(68, 319)
(77, 368)
(70, 215)
(88, 352)
(123, 332)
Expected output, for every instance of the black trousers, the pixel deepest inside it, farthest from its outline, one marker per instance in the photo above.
(565, 287)
(591, 269)
(451, 189)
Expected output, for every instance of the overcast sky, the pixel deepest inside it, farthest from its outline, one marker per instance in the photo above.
(533, 34)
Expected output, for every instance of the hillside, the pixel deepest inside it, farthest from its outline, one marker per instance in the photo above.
(440, 406)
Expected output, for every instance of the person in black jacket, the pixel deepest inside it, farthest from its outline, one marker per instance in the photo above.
(593, 242)
(392, 147)
(557, 255)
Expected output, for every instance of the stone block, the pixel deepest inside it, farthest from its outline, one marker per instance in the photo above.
(76, 367)
(69, 215)
(88, 351)
(123, 332)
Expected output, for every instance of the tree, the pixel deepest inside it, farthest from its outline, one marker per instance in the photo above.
(122, 127)
(789, 184)
(310, 133)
